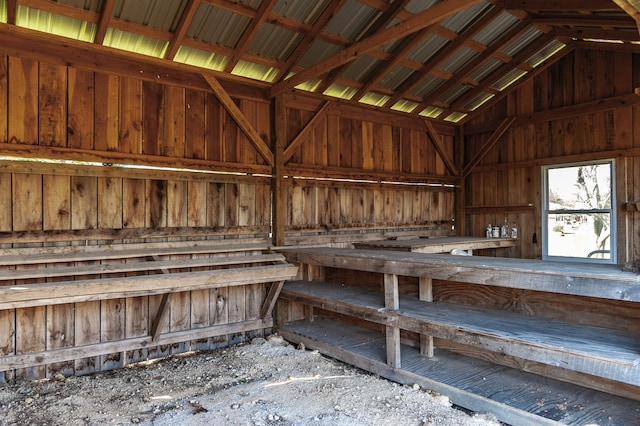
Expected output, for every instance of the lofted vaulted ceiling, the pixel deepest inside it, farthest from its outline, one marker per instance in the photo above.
(442, 59)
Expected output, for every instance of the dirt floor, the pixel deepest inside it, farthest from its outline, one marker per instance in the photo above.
(267, 382)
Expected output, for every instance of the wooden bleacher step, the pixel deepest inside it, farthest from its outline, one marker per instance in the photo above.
(514, 396)
(597, 351)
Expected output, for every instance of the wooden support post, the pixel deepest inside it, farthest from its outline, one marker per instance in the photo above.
(393, 345)
(425, 292)
(460, 194)
(391, 295)
(392, 303)
(279, 209)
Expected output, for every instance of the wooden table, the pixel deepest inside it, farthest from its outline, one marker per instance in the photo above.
(438, 244)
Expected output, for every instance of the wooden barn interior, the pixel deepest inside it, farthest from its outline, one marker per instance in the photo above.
(180, 175)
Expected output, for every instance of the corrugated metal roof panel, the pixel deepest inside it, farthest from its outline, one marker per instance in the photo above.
(360, 69)
(510, 78)
(427, 86)
(545, 53)
(522, 41)
(318, 51)
(454, 93)
(214, 25)
(485, 69)
(427, 48)
(461, 20)
(92, 5)
(496, 28)
(395, 77)
(352, 20)
(251, 3)
(478, 101)
(417, 6)
(306, 12)
(160, 14)
(459, 59)
(455, 117)
(274, 42)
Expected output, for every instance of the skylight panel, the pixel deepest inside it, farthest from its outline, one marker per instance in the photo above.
(48, 22)
(135, 43)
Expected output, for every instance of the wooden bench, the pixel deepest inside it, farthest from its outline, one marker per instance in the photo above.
(48, 276)
(588, 355)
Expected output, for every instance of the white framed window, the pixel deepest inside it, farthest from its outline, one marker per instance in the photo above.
(578, 215)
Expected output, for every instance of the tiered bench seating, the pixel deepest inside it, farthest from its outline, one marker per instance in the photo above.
(399, 331)
(46, 276)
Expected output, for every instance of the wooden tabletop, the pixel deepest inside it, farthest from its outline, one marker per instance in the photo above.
(438, 244)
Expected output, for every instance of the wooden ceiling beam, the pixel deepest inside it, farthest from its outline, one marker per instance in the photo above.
(403, 50)
(502, 71)
(309, 37)
(632, 8)
(416, 23)
(181, 29)
(239, 117)
(608, 47)
(379, 24)
(12, 11)
(504, 40)
(250, 33)
(103, 23)
(442, 56)
(595, 34)
(572, 5)
(592, 21)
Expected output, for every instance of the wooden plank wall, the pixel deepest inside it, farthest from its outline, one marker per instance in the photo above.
(374, 151)
(508, 179)
(45, 107)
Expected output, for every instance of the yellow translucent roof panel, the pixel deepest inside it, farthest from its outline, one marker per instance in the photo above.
(201, 58)
(136, 43)
(255, 71)
(48, 22)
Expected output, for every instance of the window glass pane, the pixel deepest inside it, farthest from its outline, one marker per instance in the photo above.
(579, 221)
(584, 235)
(585, 187)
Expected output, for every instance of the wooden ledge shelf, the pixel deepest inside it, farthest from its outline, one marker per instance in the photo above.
(514, 397)
(601, 352)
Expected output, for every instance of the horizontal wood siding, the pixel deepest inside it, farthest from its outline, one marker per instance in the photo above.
(509, 176)
(49, 106)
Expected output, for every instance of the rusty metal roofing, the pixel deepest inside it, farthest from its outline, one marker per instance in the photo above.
(442, 59)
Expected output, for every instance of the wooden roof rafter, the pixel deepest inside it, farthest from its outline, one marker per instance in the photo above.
(309, 37)
(181, 29)
(12, 10)
(502, 71)
(382, 22)
(250, 33)
(632, 8)
(410, 26)
(503, 41)
(103, 23)
(442, 56)
(564, 5)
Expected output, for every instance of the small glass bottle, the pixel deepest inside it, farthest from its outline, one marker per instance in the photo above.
(514, 231)
(488, 233)
(504, 231)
